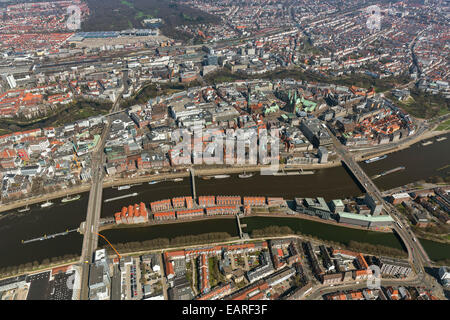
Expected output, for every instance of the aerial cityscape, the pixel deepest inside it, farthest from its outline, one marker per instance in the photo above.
(200, 150)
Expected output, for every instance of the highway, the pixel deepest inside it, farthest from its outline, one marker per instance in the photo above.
(90, 240)
(416, 254)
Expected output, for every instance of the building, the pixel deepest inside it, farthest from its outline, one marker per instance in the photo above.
(132, 214)
(365, 220)
(331, 278)
(206, 201)
(265, 268)
(444, 275)
(399, 198)
(375, 206)
(166, 215)
(99, 277)
(161, 205)
(323, 154)
(189, 213)
(337, 206)
(221, 210)
(254, 201)
(315, 132)
(281, 276)
(203, 271)
(228, 200)
(217, 293)
(394, 267)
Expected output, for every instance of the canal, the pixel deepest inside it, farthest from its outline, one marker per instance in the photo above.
(420, 162)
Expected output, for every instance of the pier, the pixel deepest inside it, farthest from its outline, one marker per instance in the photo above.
(194, 193)
(242, 235)
(46, 237)
(122, 197)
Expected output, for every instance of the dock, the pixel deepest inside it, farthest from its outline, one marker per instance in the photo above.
(46, 237)
(194, 193)
(122, 197)
(242, 235)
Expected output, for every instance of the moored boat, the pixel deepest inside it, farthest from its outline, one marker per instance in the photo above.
(24, 209)
(68, 199)
(245, 175)
(221, 176)
(46, 204)
(376, 159)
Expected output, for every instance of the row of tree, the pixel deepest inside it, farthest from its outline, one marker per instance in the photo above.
(32, 266)
(161, 243)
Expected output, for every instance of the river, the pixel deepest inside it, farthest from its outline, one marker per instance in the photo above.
(420, 162)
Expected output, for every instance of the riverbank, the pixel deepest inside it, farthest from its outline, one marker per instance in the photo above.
(363, 155)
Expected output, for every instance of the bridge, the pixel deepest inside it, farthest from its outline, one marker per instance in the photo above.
(90, 239)
(417, 255)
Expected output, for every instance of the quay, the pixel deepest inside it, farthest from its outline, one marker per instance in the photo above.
(121, 197)
(46, 237)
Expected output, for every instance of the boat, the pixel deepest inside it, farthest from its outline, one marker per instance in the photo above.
(177, 179)
(427, 143)
(221, 176)
(25, 209)
(245, 175)
(376, 159)
(441, 139)
(124, 187)
(154, 182)
(46, 204)
(388, 172)
(68, 199)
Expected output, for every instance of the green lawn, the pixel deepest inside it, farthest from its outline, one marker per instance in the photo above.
(444, 126)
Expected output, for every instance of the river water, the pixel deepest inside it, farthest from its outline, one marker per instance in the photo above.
(420, 162)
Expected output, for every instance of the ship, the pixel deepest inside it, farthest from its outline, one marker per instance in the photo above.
(245, 175)
(68, 199)
(24, 209)
(177, 179)
(154, 182)
(427, 143)
(388, 172)
(221, 176)
(46, 204)
(206, 178)
(375, 159)
(124, 187)
(441, 139)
